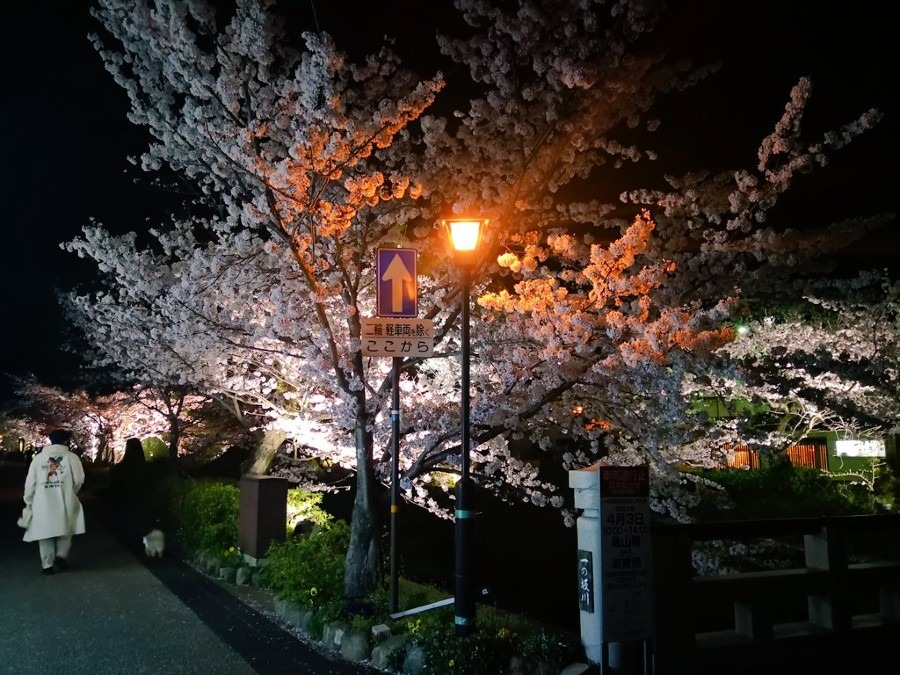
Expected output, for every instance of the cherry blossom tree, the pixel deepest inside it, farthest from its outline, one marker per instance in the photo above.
(101, 423)
(38, 409)
(831, 357)
(616, 317)
(293, 154)
(305, 161)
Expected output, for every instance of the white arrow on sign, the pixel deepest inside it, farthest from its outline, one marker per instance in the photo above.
(397, 274)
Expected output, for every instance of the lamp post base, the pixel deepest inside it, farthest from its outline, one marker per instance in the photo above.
(464, 604)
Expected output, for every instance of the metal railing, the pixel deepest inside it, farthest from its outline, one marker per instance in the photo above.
(842, 602)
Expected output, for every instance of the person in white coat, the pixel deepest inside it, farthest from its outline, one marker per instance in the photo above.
(54, 478)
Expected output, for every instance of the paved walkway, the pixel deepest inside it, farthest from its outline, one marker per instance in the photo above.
(114, 611)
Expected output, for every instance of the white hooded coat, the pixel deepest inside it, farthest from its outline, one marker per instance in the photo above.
(54, 478)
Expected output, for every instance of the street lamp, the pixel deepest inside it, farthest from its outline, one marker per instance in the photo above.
(465, 235)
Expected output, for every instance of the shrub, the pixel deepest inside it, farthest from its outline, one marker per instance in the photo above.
(449, 654)
(553, 650)
(155, 449)
(886, 483)
(305, 506)
(205, 513)
(309, 571)
(490, 649)
(781, 492)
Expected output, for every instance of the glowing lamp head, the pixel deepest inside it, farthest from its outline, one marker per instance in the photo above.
(465, 233)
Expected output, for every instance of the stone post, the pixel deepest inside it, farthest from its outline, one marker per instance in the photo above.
(613, 565)
(263, 514)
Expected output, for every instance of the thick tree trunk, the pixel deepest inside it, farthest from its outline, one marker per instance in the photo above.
(361, 570)
(105, 451)
(265, 452)
(174, 442)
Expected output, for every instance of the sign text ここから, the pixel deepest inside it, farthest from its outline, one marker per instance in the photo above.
(397, 337)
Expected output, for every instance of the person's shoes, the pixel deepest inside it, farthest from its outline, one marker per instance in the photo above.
(61, 565)
(48, 570)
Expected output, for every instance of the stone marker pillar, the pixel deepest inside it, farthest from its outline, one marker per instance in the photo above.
(263, 514)
(613, 564)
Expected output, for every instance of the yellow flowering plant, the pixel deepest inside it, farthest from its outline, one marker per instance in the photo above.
(232, 557)
(490, 649)
(309, 570)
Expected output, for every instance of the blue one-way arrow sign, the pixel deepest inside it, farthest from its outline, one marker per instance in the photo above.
(397, 282)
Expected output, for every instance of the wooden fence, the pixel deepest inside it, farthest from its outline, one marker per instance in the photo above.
(811, 454)
(840, 606)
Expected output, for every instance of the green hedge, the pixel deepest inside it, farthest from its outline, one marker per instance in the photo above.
(204, 513)
(784, 492)
(309, 570)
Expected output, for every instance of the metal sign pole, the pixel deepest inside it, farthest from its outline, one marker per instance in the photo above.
(395, 477)
(396, 300)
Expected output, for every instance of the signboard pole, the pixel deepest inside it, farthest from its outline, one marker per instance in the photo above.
(396, 300)
(395, 477)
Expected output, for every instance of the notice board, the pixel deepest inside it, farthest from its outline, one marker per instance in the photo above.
(625, 553)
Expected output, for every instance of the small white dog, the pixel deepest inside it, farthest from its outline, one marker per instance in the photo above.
(155, 543)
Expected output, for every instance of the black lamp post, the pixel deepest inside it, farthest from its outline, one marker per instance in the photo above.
(465, 235)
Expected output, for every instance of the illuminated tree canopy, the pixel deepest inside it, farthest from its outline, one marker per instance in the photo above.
(303, 161)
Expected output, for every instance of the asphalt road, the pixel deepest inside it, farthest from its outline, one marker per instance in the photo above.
(115, 611)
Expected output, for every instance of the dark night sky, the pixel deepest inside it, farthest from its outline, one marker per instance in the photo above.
(64, 146)
(66, 137)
